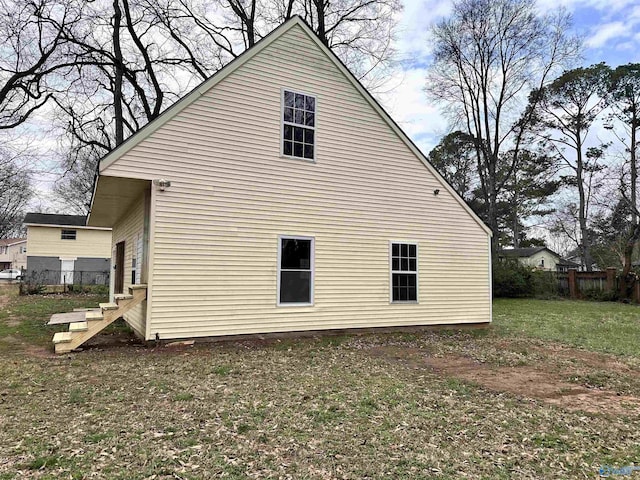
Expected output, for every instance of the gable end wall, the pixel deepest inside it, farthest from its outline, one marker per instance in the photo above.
(216, 228)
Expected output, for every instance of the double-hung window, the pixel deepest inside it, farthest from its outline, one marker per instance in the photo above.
(298, 125)
(295, 271)
(404, 272)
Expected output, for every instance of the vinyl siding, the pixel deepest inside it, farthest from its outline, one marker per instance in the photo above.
(47, 242)
(127, 229)
(216, 228)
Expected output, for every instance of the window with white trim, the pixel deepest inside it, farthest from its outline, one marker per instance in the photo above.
(68, 235)
(295, 270)
(404, 272)
(298, 125)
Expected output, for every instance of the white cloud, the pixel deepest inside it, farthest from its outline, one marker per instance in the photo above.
(410, 108)
(608, 31)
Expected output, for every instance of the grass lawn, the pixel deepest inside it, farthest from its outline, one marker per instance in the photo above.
(550, 391)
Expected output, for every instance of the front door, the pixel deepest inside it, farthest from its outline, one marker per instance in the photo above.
(119, 268)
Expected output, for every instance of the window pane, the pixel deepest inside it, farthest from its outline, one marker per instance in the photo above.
(412, 294)
(295, 287)
(288, 114)
(403, 294)
(395, 249)
(288, 132)
(404, 288)
(412, 264)
(308, 151)
(412, 250)
(298, 117)
(309, 119)
(404, 264)
(295, 254)
(308, 136)
(297, 150)
(404, 249)
(288, 99)
(288, 148)
(310, 104)
(299, 101)
(395, 264)
(298, 134)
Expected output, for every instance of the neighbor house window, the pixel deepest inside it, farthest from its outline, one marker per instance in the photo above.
(404, 272)
(295, 271)
(68, 235)
(298, 125)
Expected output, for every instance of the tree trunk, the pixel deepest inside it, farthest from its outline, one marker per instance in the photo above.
(626, 280)
(585, 241)
(118, 73)
(322, 29)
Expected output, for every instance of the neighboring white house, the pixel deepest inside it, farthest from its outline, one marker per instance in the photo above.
(540, 258)
(279, 196)
(62, 249)
(13, 253)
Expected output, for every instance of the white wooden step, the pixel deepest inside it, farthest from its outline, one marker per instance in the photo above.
(122, 296)
(62, 337)
(78, 327)
(108, 306)
(141, 286)
(93, 315)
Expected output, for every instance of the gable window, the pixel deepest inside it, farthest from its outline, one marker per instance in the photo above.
(295, 270)
(298, 125)
(404, 272)
(68, 235)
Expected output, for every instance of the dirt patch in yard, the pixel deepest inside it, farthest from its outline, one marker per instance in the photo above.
(524, 381)
(584, 358)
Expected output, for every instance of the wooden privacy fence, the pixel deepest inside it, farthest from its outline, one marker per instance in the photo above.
(580, 284)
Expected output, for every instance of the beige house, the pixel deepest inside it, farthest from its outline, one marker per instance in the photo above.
(540, 258)
(279, 196)
(62, 249)
(13, 253)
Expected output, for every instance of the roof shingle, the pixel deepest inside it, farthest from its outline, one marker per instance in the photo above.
(55, 219)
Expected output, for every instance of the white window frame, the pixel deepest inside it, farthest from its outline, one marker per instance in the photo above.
(313, 270)
(283, 123)
(392, 271)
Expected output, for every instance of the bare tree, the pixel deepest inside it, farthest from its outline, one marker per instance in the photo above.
(487, 56)
(15, 193)
(31, 35)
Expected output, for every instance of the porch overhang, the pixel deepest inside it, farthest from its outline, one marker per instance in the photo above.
(112, 198)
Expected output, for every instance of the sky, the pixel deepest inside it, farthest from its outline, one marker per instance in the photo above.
(610, 30)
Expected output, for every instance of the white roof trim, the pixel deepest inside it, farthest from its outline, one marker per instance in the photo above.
(187, 100)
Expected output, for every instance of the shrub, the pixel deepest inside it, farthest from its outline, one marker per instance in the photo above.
(511, 279)
(34, 283)
(544, 284)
